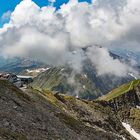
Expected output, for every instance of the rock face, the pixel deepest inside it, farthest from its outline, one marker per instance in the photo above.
(129, 99)
(127, 107)
(35, 115)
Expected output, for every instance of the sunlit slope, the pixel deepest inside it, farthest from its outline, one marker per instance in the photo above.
(32, 114)
(59, 79)
(120, 90)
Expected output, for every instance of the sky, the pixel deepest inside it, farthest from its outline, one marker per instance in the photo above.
(46, 32)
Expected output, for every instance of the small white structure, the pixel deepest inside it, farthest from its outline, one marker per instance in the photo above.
(11, 78)
(25, 79)
(17, 80)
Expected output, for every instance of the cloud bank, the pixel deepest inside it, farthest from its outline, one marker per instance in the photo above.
(57, 36)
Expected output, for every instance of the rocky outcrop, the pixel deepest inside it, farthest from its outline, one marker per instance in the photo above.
(39, 115)
(126, 107)
(129, 99)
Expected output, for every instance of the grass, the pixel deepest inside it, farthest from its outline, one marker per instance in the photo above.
(56, 80)
(6, 85)
(120, 90)
(48, 80)
(50, 97)
(6, 134)
(70, 121)
(69, 98)
(135, 118)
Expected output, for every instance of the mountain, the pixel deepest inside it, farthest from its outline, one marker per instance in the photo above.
(129, 54)
(33, 114)
(86, 84)
(17, 65)
(120, 90)
(62, 79)
(125, 101)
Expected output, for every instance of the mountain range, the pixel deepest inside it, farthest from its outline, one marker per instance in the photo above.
(85, 84)
(61, 104)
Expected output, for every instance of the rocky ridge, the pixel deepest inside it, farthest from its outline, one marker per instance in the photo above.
(41, 115)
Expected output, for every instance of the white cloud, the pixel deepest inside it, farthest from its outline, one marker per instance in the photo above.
(52, 1)
(105, 64)
(51, 35)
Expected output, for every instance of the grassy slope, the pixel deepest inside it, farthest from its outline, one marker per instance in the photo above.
(57, 80)
(120, 90)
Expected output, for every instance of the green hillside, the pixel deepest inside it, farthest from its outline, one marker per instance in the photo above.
(120, 90)
(85, 84)
(59, 79)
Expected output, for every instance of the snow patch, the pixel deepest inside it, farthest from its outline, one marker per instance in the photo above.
(84, 86)
(77, 96)
(37, 70)
(62, 69)
(85, 75)
(131, 130)
(132, 75)
(138, 107)
(123, 138)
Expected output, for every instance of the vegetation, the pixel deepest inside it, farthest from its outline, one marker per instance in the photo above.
(55, 116)
(135, 118)
(11, 87)
(7, 134)
(59, 79)
(120, 90)
(69, 120)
